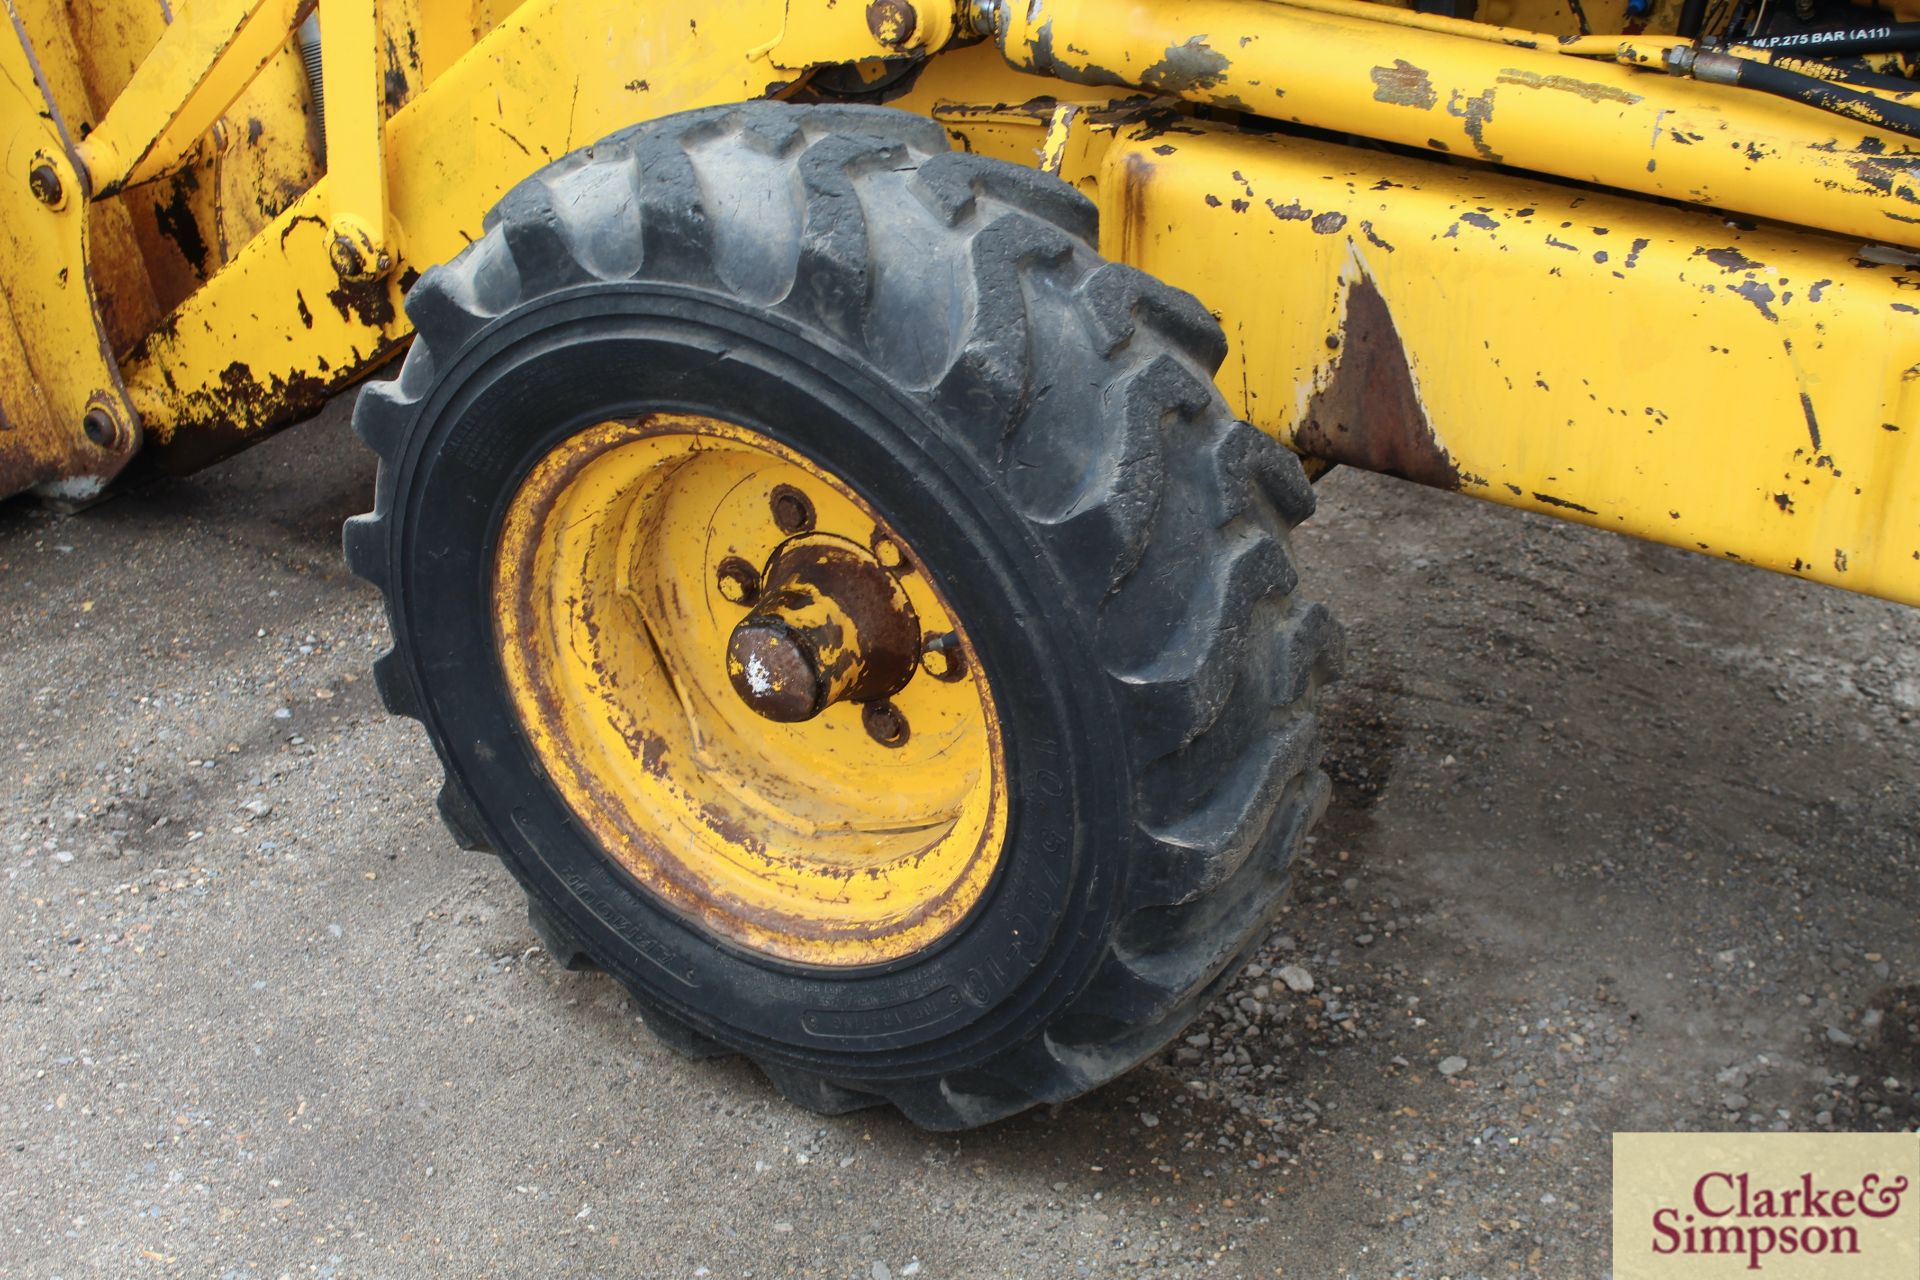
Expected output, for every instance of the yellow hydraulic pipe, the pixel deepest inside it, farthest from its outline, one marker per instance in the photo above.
(1384, 78)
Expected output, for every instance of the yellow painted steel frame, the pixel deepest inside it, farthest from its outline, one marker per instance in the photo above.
(202, 63)
(1749, 392)
(1531, 292)
(65, 425)
(295, 316)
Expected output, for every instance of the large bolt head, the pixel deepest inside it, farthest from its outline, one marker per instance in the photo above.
(774, 670)
(892, 22)
(44, 182)
(99, 427)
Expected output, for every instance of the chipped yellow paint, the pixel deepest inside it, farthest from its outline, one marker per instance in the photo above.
(1750, 393)
(807, 841)
(1635, 129)
(274, 332)
(55, 366)
(204, 61)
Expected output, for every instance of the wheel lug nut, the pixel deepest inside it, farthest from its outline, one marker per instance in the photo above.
(941, 658)
(792, 509)
(888, 552)
(884, 723)
(738, 581)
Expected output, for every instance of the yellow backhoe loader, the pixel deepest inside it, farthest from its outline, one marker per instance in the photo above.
(837, 457)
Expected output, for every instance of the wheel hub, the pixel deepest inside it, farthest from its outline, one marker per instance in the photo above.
(831, 625)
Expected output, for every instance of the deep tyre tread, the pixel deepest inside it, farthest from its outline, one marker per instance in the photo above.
(560, 942)
(461, 817)
(677, 1035)
(1085, 389)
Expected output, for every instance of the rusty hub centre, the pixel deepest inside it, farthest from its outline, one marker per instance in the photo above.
(830, 624)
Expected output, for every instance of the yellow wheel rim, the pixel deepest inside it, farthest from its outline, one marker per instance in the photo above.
(627, 561)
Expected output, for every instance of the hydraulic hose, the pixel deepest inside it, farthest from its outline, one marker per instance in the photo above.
(1855, 104)
(1854, 76)
(1891, 37)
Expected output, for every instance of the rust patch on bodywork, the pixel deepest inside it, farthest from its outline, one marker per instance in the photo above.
(1193, 65)
(1404, 85)
(1474, 113)
(1579, 88)
(239, 411)
(365, 302)
(1369, 415)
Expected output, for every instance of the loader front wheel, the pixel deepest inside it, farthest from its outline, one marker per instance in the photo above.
(847, 607)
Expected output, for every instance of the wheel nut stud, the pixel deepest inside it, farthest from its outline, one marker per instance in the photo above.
(888, 552)
(738, 581)
(792, 510)
(940, 657)
(884, 723)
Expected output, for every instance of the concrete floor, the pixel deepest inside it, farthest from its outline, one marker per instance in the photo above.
(1631, 833)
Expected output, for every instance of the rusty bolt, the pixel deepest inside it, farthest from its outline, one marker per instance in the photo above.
(892, 22)
(888, 553)
(941, 658)
(792, 509)
(100, 428)
(739, 582)
(355, 257)
(347, 258)
(884, 723)
(44, 182)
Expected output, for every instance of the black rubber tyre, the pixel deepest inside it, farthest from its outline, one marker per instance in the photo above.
(938, 330)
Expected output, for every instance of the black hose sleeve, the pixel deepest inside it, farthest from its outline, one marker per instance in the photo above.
(1693, 15)
(1855, 104)
(1843, 74)
(1890, 37)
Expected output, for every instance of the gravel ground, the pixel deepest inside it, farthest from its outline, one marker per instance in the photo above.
(1621, 838)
